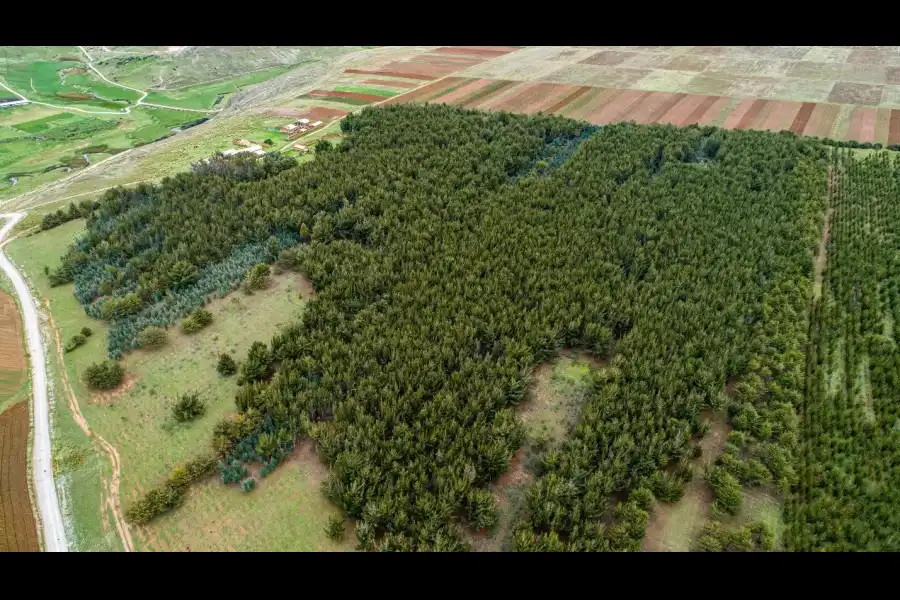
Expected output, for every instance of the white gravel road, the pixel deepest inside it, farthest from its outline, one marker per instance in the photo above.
(42, 461)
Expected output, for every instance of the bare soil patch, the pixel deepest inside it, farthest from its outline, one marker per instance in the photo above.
(105, 398)
(481, 51)
(700, 110)
(822, 120)
(894, 128)
(714, 115)
(390, 73)
(892, 75)
(578, 93)
(620, 108)
(802, 118)
(845, 92)
(687, 62)
(870, 57)
(18, 530)
(608, 58)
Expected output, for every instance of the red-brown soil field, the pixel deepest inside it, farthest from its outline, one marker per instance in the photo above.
(18, 531)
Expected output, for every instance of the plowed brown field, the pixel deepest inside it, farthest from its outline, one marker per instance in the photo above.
(18, 531)
(12, 350)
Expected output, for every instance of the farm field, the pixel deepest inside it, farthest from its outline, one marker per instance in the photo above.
(18, 532)
(603, 105)
(13, 361)
(713, 435)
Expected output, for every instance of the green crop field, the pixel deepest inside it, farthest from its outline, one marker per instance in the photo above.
(367, 90)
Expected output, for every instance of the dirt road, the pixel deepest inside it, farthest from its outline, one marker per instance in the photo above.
(54, 533)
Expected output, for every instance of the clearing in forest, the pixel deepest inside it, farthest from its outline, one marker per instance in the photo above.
(548, 411)
(674, 526)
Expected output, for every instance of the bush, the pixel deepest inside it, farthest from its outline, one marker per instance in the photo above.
(116, 308)
(77, 340)
(726, 489)
(171, 493)
(258, 366)
(104, 376)
(196, 321)
(257, 278)
(323, 146)
(226, 365)
(248, 484)
(152, 338)
(334, 530)
(188, 407)
(86, 332)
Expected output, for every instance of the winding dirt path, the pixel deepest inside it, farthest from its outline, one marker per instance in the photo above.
(112, 499)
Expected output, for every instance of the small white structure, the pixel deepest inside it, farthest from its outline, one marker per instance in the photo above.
(316, 124)
(301, 148)
(303, 121)
(254, 149)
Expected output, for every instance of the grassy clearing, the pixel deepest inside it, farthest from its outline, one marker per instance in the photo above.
(137, 420)
(207, 96)
(287, 512)
(549, 410)
(675, 527)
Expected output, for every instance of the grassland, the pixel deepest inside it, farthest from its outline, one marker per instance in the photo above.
(208, 96)
(136, 420)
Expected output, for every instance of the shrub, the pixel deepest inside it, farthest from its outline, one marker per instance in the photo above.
(258, 365)
(86, 332)
(104, 376)
(248, 484)
(152, 338)
(116, 308)
(257, 278)
(726, 489)
(334, 530)
(226, 365)
(188, 407)
(77, 340)
(196, 321)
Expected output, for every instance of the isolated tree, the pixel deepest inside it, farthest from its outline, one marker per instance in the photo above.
(226, 365)
(188, 407)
